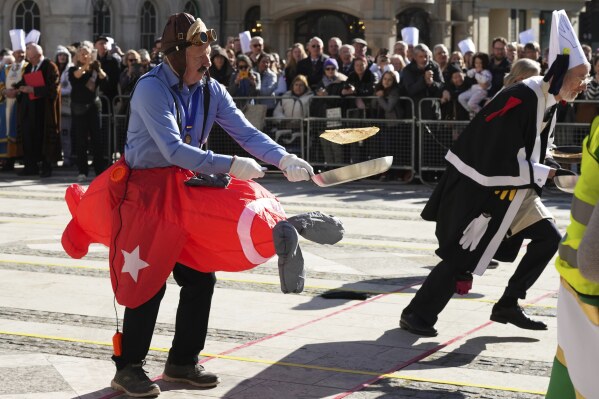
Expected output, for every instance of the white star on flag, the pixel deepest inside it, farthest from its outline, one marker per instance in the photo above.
(133, 263)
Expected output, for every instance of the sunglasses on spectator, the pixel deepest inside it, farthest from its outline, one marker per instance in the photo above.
(242, 67)
(256, 45)
(315, 46)
(330, 68)
(132, 60)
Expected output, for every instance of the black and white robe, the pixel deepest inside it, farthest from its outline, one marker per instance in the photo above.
(502, 148)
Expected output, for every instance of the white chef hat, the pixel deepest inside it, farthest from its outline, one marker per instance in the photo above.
(526, 36)
(17, 38)
(563, 39)
(33, 36)
(565, 51)
(410, 35)
(109, 43)
(467, 45)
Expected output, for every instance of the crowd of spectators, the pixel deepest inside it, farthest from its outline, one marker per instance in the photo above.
(334, 81)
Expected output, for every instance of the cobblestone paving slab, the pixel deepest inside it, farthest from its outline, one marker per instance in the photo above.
(65, 348)
(21, 215)
(488, 363)
(354, 205)
(401, 389)
(239, 285)
(386, 388)
(109, 323)
(33, 379)
(541, 311)
(25, 196)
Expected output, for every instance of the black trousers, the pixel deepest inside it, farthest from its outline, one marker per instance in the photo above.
(439, 286)
(33, 136)
(191, 325)
(88, 125)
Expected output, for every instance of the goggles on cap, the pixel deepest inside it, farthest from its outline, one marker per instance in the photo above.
(200, 38)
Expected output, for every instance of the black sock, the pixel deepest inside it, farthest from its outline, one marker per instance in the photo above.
(507, 301)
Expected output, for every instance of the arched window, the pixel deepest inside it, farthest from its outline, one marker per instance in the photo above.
(28, 16)
(148, 25)
(101, 18)
(326, 24)
(192, 8)
(252, 21)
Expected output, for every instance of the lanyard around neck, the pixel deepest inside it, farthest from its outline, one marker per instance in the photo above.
(189, 110)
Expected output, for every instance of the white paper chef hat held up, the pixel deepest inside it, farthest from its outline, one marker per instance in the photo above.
(410, 35)
(565, 51)
(467, 45)
(33, 36)
(17, 38)
(526, 36)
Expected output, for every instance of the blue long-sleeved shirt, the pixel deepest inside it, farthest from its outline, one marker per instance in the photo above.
(154, 139)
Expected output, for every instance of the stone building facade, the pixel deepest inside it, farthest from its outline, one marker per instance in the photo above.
(136, 23)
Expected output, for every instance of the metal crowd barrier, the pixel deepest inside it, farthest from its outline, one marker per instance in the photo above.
(436, 136)
(417, 145)
(120, 106)
(106, 125)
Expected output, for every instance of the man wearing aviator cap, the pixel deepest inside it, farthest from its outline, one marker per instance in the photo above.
(180, 90)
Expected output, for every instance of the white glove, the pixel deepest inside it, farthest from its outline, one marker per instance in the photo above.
(474, 232)
(246, 168)
(295, 169)
(471, 72)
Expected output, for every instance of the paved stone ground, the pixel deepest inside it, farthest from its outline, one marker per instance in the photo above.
(57, 315)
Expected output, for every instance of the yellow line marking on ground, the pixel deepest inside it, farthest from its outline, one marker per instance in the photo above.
(289, 364)
(374, 292)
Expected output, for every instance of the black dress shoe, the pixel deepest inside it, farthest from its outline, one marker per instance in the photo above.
(414, 324)
(516, 316)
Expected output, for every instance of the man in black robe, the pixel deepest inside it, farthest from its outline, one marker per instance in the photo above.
(497, 159)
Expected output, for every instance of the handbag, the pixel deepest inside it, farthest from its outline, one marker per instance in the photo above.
(79, 108)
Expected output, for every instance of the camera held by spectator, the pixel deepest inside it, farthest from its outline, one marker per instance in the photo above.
(95, 66)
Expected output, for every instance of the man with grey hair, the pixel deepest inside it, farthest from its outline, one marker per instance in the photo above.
(346, 54)
(441, 57)
(400, 47)
(333, 48)
(256, 48)
(312, 66)
(486, 195)
(39, 114)
(422, 79)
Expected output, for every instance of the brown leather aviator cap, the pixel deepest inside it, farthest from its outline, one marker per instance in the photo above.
(174, 40)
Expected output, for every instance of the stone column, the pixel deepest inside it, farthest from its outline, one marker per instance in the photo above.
(441, 33)
(380, 33)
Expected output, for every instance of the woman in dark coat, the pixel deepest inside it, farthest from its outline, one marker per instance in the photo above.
(221, 69)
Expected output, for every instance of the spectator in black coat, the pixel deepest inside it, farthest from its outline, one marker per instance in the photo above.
(110, 65)
(221, 69)
(360, 84)
(499, 65)
(422, 79)
(312, 66)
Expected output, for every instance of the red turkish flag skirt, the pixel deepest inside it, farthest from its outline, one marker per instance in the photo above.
(151, 220)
